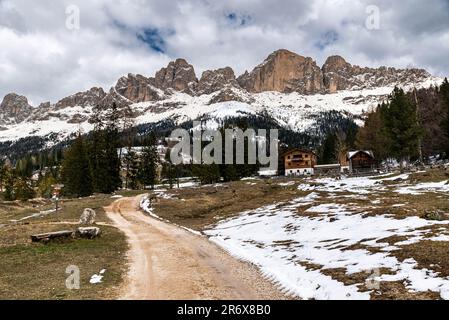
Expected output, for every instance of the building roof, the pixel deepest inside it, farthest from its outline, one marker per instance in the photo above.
(298, 150)
(351, 154)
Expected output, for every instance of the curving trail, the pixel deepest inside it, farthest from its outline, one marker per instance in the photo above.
(168, 262)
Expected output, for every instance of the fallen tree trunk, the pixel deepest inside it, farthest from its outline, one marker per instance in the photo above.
(44, 237)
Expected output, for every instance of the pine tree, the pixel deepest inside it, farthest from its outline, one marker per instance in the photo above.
(95, 150)
(104, 159)
(206, 174)
(2, 175)
(401, 126)
(10, 178)
(372, 135)
(328, 150)
(169, 171)
(149, 163)
(23, 189)
(131, 164)
(75, 170)
(113, 160)
(444, 93)
(45, 184)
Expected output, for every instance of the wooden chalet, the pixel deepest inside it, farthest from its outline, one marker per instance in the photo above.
(299, 162)
(360, 161)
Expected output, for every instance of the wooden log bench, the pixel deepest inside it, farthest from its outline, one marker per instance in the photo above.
(45, 237)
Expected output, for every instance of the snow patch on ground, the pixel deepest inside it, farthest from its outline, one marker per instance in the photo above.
(145, 205)
(424, 187)
(97, 278)
(284, 239)
(359, 185)
(35, 215)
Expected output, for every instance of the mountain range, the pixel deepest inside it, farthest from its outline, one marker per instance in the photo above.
(292, 89)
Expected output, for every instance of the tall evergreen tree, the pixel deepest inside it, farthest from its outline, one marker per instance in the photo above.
(112, 162)
(2, 175)
(207, 173)
(75, 170)
(401, 126)
(372, 135)
(170, 171)
(45, 184)
(104, 159)
(131, 164)
(23, 189)
(149, 163)
(328, 150)
(9, 185)
(444, 93)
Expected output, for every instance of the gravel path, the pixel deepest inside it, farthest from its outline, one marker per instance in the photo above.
(168, 262)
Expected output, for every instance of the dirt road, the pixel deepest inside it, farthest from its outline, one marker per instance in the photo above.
(168, 262)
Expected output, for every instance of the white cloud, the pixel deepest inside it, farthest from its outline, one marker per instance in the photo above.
(43, 60)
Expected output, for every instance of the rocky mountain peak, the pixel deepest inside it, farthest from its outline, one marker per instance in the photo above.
(14, 109)
(87, 98)
(335, 63)
(341, 75)
(284, 71)
(178, 75)
(215, 80)
(138, 88)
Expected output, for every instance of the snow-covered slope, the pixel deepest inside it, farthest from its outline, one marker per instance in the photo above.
(291, 110)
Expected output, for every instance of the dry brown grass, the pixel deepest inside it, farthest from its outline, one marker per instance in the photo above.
(203, 206)
(431, 175)
(431, 255)
(37, 271)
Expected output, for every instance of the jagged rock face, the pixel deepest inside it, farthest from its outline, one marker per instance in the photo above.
(137, 88)
(337, 74)
(88, 98)
(215, 80)
(231, 94)
(44, 105)
(284, 71)
(341, 75)
(179, 75)
(14, 109)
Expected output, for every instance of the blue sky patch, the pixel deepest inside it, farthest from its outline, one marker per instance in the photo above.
(153, 38)
(327, 39)
(238, 19)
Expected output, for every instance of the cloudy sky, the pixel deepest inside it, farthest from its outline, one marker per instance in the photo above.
(45, 56)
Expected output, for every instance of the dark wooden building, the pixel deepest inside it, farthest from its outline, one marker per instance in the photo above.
(361, 161)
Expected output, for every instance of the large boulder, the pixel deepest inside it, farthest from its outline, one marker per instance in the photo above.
(88, 232)
(88, 217)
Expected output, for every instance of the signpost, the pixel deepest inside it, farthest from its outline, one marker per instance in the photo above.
(56, 193)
